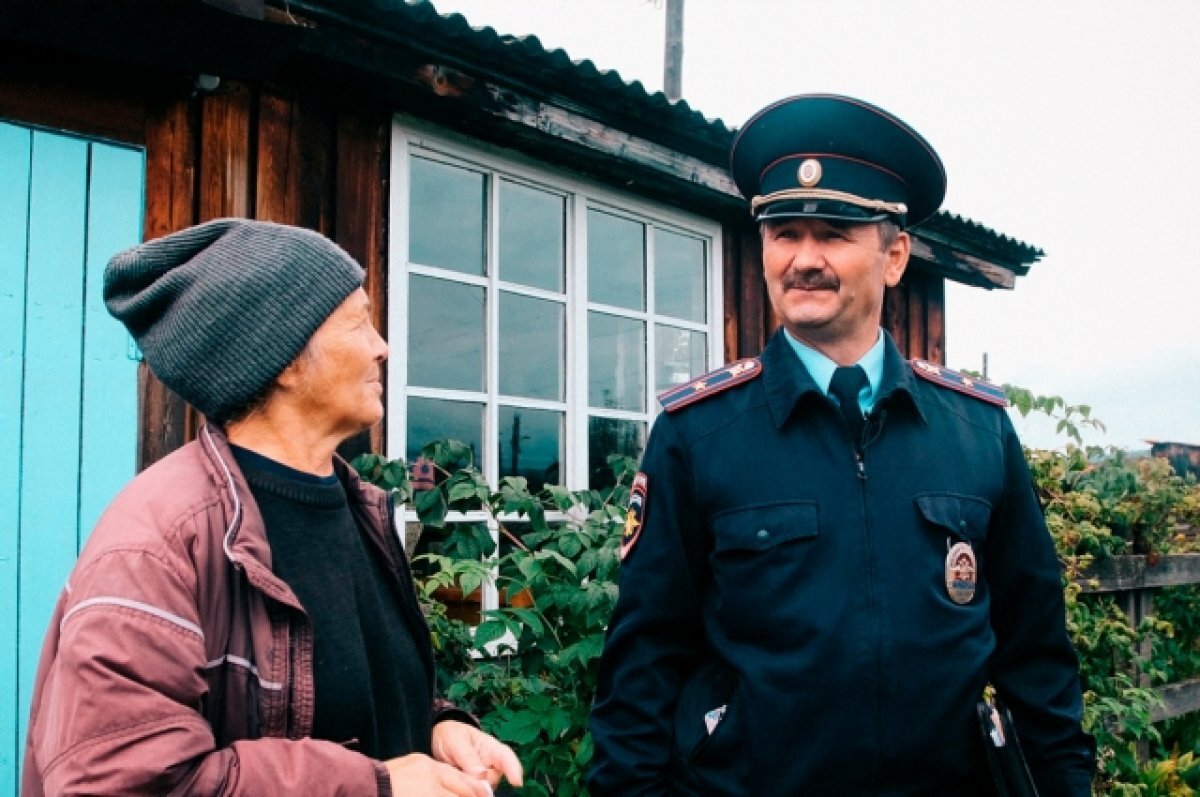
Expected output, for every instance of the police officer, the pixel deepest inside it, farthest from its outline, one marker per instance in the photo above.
(830, 551)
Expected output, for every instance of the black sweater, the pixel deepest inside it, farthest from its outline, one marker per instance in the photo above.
(371, 689)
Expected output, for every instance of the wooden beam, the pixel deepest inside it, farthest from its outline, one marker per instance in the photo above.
(1178, 699)
(942, 259)
(1122, 573)
(895, 316)
(67, 94)
(363, 149)
(935, 320)
(171, 146)
(567, 125)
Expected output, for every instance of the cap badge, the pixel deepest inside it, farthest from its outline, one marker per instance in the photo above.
(961, 573)
(810, 172)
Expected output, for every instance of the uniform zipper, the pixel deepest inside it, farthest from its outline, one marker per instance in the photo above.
(860, 464)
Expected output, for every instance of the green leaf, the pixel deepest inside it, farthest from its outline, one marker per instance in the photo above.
(460, 489)
(521, 728)
(489, 631)
(530, 618)
(431, 508)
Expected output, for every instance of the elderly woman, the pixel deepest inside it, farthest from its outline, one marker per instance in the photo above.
(242, 619)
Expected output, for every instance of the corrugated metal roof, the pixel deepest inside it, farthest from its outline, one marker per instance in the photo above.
(523, 61)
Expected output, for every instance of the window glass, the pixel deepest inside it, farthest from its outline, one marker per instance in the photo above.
(530, 445)
(445, 334)
(438, 419)
(680, 355)
(616, 362)
(616, 260)
(531, 237)
(531, 347)
(679, 266)
(447, 213)
(608, 436)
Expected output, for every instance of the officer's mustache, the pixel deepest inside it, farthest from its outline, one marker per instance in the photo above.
(811, 279)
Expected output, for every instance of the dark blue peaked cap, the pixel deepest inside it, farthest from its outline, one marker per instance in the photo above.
(826, 156)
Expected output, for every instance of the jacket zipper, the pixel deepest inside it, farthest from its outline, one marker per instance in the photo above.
(860, 463)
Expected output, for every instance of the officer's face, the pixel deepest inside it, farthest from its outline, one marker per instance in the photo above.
(826, 280)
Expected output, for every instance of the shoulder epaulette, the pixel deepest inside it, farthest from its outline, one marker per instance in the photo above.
(710, 384)
(976, 388)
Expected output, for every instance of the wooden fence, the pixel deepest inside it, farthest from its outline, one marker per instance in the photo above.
(1134, 580)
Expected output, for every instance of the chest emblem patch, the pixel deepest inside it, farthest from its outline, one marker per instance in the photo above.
(634, 514)
(961, 573)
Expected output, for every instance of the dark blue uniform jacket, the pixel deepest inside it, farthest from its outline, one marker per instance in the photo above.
(778, 576)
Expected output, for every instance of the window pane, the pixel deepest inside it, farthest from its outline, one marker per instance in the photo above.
(531, 347)
(616, 362)
(531, 237)
(530, 445)
(616, 261)
(437, 419)
(611, 436)
(445, 334)
(447, 209)
(679, 276)
(681, 355)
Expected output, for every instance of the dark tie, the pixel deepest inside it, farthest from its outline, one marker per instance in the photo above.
(845, 386)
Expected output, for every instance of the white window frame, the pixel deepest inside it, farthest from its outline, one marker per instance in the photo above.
(411, 136)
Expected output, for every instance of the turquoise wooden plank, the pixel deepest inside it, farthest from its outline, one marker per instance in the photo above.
(15, 145)
(53, 323)
(108, 443)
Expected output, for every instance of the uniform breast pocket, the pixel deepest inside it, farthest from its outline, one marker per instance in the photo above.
(963, 517)
(762, 555)
(958, 526)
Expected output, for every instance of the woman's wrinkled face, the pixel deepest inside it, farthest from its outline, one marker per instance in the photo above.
(338, 382)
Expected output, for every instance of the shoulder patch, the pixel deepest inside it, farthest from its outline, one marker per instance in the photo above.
(634, 514)
(710, 384)
(976, 388)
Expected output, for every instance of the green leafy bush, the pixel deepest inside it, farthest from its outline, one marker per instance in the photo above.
(527, 671)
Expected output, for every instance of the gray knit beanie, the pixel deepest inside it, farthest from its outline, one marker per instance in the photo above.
(220, 309)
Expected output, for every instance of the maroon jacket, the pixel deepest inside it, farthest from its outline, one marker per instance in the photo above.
(177, 662)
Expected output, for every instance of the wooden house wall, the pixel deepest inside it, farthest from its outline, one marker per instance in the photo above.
(279, 154)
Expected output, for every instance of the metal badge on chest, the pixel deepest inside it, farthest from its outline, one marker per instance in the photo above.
(961, 573)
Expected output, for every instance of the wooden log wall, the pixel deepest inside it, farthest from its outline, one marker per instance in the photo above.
(914, 313)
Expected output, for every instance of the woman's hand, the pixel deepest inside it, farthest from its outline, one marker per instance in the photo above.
(475, 753)
(419, 775)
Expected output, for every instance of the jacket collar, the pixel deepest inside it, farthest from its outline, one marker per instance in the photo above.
(788, 383)
(244, 539)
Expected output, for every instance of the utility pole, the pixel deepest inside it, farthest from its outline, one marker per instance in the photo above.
(673, 52)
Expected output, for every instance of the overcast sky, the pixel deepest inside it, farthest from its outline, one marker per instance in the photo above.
(1072, 125)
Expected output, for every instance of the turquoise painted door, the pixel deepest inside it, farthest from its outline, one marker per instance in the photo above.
(68, 383)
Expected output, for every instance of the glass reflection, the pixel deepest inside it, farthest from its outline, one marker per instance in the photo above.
(531, 237)
(616, 362)
(445, 334)
(529, 444)
(679, 354)
(679, 284)
(439, 419)
(611, 436)
(447, 214)
(532, 337)
(616, 261)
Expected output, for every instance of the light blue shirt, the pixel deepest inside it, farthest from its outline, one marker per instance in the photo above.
(821, 368)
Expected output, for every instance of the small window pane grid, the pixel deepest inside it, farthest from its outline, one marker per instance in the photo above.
(536, 317)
